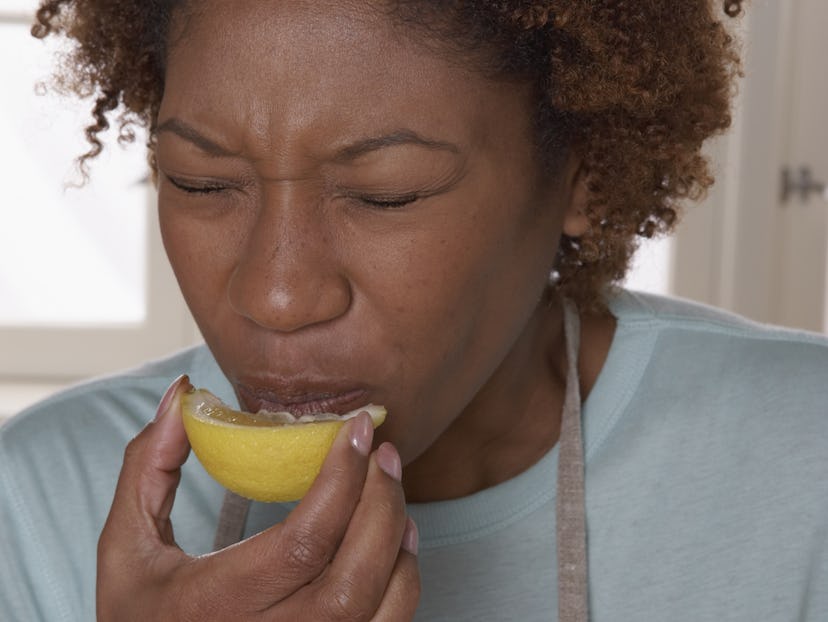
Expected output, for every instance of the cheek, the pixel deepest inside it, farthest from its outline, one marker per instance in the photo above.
(202, 253)
(455, 297)
(465, 264)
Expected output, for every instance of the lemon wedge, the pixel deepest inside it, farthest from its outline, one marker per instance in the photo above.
(263, 456)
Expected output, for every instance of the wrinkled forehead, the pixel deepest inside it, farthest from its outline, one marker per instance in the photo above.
(470, 34)
(285, 19)
(330, 45)
(280, 69)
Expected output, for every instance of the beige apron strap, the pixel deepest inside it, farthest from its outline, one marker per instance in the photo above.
(232, 519)
(573, 602)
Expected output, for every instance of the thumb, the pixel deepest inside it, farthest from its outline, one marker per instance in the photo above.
(151, 471)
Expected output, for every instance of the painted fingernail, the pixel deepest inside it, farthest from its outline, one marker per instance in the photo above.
(411, 536)
(362, 433)
(164, 406)
(389, 460)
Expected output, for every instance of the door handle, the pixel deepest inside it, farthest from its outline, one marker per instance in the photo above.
(801, 183)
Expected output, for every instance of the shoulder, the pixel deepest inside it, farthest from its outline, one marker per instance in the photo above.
(72, 443)
(78, 433)
(694, 334)
(637, 308)
(709, 454)
(690, 375)
(720, 380)
(81, 432)
(124, 401)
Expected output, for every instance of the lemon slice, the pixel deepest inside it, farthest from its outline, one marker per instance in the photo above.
(264, 456)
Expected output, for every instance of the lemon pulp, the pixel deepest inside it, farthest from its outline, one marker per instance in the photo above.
(263, 456)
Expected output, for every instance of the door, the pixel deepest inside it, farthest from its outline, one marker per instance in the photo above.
(746, 249)
(803, 214)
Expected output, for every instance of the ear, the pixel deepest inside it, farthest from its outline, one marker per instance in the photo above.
(576, 223)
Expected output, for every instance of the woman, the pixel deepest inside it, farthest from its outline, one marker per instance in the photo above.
(364, 202)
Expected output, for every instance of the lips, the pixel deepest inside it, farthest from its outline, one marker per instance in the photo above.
(300, 398)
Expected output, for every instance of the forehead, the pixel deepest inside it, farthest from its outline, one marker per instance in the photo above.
(274, 67)
(234, 26)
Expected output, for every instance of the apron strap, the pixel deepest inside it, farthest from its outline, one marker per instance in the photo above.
(232, 519)
(573, 601)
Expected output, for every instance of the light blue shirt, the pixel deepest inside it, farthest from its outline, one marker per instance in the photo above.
(706, 442)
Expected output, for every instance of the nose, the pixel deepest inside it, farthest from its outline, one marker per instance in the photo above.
(288, 276)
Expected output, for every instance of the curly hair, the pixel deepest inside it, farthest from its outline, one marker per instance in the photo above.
(632, 88)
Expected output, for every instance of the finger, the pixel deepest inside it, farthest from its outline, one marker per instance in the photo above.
(358, 576)
(399, 603)
(277, 562)
(138, 522)
(151, 471)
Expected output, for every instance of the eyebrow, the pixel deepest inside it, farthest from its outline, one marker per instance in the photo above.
(189, 133)
(399, 137)
(347, 153)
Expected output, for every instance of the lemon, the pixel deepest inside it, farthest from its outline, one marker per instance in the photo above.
(264, 456)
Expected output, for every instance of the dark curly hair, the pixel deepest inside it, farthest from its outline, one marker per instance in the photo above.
(633, 88)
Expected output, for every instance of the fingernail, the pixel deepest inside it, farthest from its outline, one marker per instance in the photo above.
(362, 433)
(411, 536)
(164, 406)
(389, 460)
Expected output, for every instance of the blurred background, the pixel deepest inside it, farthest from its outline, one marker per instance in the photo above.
(85, 289)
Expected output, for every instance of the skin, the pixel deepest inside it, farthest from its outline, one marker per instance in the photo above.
(352, 214)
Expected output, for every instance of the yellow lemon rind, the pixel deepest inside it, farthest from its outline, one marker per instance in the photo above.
(270, 462)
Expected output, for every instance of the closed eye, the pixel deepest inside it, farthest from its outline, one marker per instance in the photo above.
(197, 188)
(389, 202)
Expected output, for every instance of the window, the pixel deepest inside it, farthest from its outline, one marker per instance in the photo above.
(52, 232)
(84, 285)
(652, 267)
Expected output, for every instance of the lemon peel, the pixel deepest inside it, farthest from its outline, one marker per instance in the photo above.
(263, 456)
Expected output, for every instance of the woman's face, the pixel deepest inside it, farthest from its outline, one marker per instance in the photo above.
(351, 218)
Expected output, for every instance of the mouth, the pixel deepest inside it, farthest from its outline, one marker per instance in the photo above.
(300, 400)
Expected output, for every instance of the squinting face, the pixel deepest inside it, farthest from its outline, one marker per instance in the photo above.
(351, 217)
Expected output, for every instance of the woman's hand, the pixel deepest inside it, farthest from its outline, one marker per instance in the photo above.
(346, 552)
